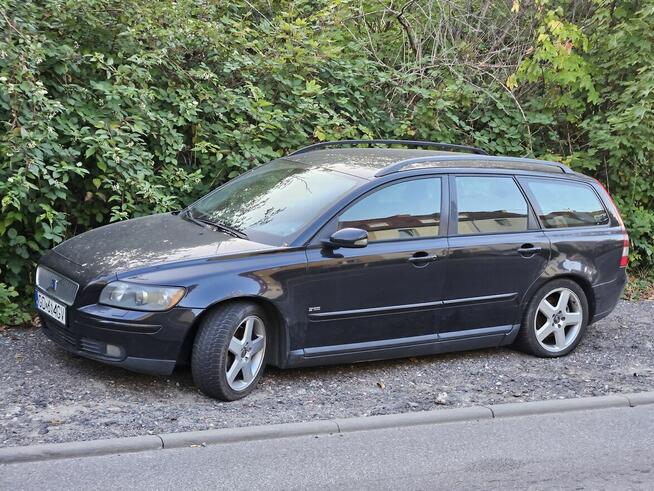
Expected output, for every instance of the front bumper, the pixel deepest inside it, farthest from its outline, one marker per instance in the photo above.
(146, 342)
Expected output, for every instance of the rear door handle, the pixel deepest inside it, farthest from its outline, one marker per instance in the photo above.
(528, 249)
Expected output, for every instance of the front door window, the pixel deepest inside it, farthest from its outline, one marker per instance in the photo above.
(405, 210)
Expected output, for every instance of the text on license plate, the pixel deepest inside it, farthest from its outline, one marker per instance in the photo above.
(51, 307)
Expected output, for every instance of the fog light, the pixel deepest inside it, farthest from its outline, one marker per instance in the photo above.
(112, 350)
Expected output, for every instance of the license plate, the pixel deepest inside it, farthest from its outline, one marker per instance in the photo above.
(51, 307)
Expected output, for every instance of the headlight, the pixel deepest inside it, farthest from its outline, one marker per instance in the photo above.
(141, 297)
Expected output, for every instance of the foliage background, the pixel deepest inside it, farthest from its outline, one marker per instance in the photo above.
(111, 109)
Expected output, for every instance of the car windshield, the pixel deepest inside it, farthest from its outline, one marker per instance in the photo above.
(275, 202)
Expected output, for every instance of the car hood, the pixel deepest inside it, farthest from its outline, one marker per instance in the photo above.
(148, 241)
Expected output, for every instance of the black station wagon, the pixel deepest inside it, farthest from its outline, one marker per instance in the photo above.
(339, 254)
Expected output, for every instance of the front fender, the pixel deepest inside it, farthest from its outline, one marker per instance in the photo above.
(275, 277)
(267, 274)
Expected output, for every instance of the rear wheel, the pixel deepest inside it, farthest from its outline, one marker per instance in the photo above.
(555, 320)
(229, 352)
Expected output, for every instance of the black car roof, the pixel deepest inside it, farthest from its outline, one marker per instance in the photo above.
(377, 162)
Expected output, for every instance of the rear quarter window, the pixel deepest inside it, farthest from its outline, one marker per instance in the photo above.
(563, 204)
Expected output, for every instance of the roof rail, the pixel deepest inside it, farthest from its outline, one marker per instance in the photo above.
(398, 166)
(408, 143)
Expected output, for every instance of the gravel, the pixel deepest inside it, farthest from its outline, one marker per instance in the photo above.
(47, 395)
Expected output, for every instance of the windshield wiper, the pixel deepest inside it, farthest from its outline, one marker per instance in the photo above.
(225, 228)
(187, 215)
(213, 224)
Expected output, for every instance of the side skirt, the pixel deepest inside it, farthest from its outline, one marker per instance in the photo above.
(487, 337)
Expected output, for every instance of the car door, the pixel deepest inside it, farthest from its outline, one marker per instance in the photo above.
(388, 292)
(496, 252)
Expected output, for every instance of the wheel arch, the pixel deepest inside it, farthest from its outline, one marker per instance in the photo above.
(588, 291)
(583, 283)
(279, 334)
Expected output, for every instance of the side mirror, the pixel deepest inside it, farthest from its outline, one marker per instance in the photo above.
(347, 237)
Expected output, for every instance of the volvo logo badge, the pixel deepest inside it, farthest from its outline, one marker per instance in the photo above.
(53, 284)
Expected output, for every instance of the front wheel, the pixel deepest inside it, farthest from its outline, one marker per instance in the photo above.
(555, 320)
(229, 351)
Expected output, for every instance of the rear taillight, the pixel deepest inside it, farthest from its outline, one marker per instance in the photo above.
(624, 259)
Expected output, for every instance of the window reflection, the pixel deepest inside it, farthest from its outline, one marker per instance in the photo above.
(276, 200)
(490, 205)
(405, 210)
(567, 204)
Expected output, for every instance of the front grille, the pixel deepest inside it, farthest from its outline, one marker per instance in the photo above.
(56, 285)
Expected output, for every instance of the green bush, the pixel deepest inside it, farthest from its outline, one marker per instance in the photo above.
(111, 109)
(11, 312)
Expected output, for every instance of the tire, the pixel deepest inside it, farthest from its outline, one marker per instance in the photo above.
(552, 329)
(226, 365)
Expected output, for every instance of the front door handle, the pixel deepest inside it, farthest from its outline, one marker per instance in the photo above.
(529, 249)
(422, 258)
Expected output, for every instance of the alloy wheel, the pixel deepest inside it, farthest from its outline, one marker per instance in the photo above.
(246, 353)
(558, 320)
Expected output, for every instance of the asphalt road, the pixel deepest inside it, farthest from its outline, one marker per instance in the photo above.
(599, 449)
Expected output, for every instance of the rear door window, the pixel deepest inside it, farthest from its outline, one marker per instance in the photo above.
(563, 204)
(489, 204)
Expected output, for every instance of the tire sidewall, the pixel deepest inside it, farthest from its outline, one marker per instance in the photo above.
(219, 327)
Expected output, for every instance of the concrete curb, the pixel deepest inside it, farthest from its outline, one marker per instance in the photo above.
(557, 406)
(436, 416)
(52, 451)
(246, 433)
(640, 398)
